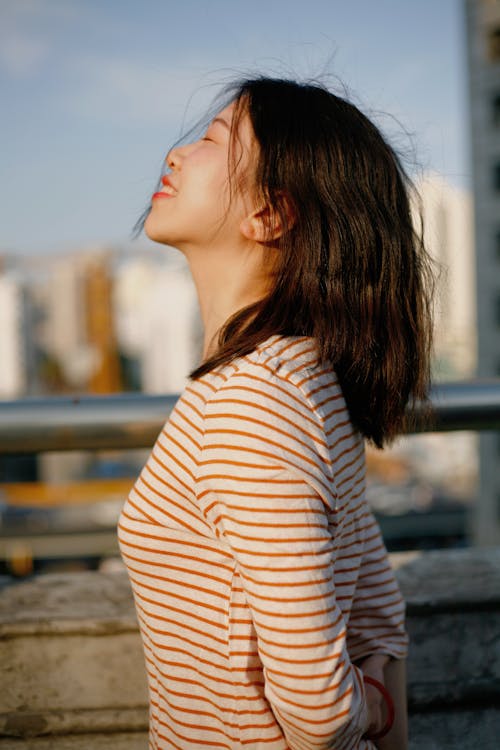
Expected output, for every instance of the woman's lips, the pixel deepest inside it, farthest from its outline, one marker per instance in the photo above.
(169, 192)
(161, 195)
(165, 180)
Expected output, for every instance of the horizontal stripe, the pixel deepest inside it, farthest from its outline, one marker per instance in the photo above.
(256, 563)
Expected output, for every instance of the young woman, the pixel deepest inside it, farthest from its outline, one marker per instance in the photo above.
(269, 613)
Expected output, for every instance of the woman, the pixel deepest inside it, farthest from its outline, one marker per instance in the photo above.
(269, 613)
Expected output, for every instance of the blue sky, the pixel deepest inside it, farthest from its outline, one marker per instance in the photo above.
(93, 92)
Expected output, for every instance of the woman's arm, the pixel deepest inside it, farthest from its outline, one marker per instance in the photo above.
(377, 627)
(392, 673)
(276, 525)
(395, 682)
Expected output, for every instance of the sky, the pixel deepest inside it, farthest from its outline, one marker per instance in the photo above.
(93, 92)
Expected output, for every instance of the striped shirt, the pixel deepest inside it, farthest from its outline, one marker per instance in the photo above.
(258, 570)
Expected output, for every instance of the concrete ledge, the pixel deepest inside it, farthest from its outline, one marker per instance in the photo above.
(71, 672)
(61, 722)
(454, 625)
(72, 602)
(128, 741)
(476, 729)
(71, 660)
(449, 581)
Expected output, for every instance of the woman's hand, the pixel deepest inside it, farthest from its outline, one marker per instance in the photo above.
(373, 666)
(392, 674)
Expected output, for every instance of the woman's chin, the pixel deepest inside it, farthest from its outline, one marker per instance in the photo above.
(154, 232)
(160, 237)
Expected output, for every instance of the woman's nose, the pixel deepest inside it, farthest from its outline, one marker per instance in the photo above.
(176, 155)
(173, 159)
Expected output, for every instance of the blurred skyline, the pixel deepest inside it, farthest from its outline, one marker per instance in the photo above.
(94, 93)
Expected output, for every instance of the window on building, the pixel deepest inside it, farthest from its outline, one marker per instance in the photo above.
(496, 177)
(494, 44)
(496, 110)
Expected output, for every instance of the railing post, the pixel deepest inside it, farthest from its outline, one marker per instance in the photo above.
(486, 513)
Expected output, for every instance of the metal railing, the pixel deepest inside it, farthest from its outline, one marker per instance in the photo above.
(128, 421)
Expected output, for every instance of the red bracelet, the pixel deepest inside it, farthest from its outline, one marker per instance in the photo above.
(389, 705)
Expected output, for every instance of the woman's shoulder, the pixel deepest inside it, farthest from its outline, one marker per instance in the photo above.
(286, 365)
(283, 355)
(283, 400)
(294, 361)
(285, 362)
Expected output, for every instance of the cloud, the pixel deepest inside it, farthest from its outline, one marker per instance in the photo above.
(22, 55)
(34, 10)
(48, 40)
(128, 93)
(28, 31)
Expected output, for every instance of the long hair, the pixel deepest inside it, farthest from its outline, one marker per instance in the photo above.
(353, 271)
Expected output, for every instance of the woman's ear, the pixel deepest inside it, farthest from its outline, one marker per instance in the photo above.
(269, 223)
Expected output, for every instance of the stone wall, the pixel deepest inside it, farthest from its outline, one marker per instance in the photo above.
(454, 661)
(72, 670)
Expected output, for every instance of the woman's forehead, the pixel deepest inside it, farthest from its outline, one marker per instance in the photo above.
(226, 114)
(236, 116)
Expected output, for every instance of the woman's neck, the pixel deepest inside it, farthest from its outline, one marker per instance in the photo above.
(226, 282)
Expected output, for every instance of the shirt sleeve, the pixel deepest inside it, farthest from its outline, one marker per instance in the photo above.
(377, 619)
(263, 502)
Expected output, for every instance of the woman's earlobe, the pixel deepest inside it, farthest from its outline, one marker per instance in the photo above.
(266, 224)
(254, 227)
(247, 228)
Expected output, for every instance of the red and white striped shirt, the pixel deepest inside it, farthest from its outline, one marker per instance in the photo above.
(258, 570)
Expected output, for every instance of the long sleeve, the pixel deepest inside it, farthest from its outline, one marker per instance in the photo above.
(253, 559)
(257, 486)
(377, 619)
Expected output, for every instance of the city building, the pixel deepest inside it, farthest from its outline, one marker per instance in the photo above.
(157, 321)
(63, 338)
(483, 45)
(12, 336)
(98, 281)
(448, 236)
(78, 329)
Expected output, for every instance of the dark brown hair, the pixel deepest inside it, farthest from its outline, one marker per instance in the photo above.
(353, 272)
